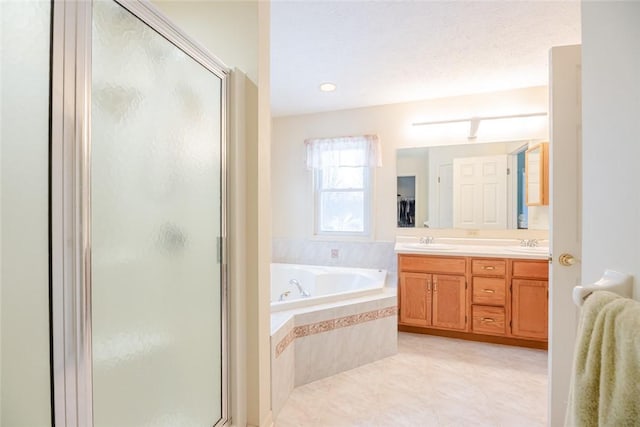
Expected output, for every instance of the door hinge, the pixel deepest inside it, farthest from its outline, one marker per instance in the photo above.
(465, 319)
(508, 171)
(438, 180)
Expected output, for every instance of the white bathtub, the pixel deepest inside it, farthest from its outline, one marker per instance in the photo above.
(324, 284)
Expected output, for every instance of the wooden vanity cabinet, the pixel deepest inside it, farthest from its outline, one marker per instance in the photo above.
(529, 299)
(505, 300)
(431, 299)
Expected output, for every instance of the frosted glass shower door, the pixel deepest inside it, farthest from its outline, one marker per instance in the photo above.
(156, 213)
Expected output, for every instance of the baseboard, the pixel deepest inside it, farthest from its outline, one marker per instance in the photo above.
(541, 345)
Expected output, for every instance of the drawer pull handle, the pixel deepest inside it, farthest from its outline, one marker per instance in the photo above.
(488, 319)
(489, 267)
(489, 291)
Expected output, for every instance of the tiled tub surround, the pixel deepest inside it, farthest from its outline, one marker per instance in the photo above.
(315, 342)
(378, 254)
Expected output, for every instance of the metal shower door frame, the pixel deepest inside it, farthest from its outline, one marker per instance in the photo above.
(70, 201)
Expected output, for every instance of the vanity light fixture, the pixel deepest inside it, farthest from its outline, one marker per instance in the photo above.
(474, 122)
(328, 87)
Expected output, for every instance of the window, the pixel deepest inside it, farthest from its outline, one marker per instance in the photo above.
(343, 200)
(342, 184)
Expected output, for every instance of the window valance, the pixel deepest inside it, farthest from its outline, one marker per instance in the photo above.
(347, 151)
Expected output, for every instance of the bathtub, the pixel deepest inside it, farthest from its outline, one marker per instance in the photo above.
(349, 319)
(324, 284)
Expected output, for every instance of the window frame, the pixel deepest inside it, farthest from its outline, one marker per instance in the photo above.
(367, 205)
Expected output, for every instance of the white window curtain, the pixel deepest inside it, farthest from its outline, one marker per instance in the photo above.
(348, 151)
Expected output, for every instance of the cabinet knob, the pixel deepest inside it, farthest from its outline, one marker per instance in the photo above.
(488, 319)
(489, 267)
(489, 291)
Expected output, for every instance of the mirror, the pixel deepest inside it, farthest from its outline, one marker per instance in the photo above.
(469, 186)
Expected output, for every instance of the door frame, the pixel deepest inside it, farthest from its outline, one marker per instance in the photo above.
(70, 201)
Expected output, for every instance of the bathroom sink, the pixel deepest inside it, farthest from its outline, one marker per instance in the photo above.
(535, 250)
(430, 246)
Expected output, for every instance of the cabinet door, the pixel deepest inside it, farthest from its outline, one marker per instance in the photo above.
(529, 309)
(415, 299)
(449, 301)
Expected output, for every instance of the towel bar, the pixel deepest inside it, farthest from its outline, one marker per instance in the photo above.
(612, 281)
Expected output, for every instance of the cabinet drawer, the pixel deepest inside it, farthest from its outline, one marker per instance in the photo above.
(532, 269)
(488, 267)
(489, 290)
(432, 264)
(488, 320)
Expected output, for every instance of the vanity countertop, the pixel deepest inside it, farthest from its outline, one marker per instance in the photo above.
(493, 248)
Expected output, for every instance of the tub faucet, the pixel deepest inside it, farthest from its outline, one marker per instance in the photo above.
(284, 295)
(303, 293)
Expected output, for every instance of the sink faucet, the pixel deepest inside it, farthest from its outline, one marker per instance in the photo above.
(426, 240)
(303, 293)
(529, 243)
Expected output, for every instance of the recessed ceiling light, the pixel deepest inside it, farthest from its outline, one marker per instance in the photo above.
(327, 87)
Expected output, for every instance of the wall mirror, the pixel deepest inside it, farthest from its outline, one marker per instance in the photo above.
(468, 186)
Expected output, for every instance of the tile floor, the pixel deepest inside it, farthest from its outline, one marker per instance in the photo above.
(432, 381)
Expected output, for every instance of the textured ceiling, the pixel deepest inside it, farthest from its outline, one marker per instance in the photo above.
(382, 52)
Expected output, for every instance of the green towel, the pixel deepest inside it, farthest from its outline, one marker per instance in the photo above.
(605, 385)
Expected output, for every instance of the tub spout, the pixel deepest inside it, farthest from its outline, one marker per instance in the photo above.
(303, 293)
(284, 295)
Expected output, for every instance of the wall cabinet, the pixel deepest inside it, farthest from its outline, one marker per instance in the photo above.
(505, 302)
(537, 175)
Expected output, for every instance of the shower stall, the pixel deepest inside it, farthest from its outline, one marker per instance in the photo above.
(113, 219)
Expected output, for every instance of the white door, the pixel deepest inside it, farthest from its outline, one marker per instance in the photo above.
(565, 223)
(445, 195)
(480, 192)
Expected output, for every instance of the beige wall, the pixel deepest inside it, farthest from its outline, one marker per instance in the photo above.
(228, 29)
(292, 187)
(263, 215)
(610, 109)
